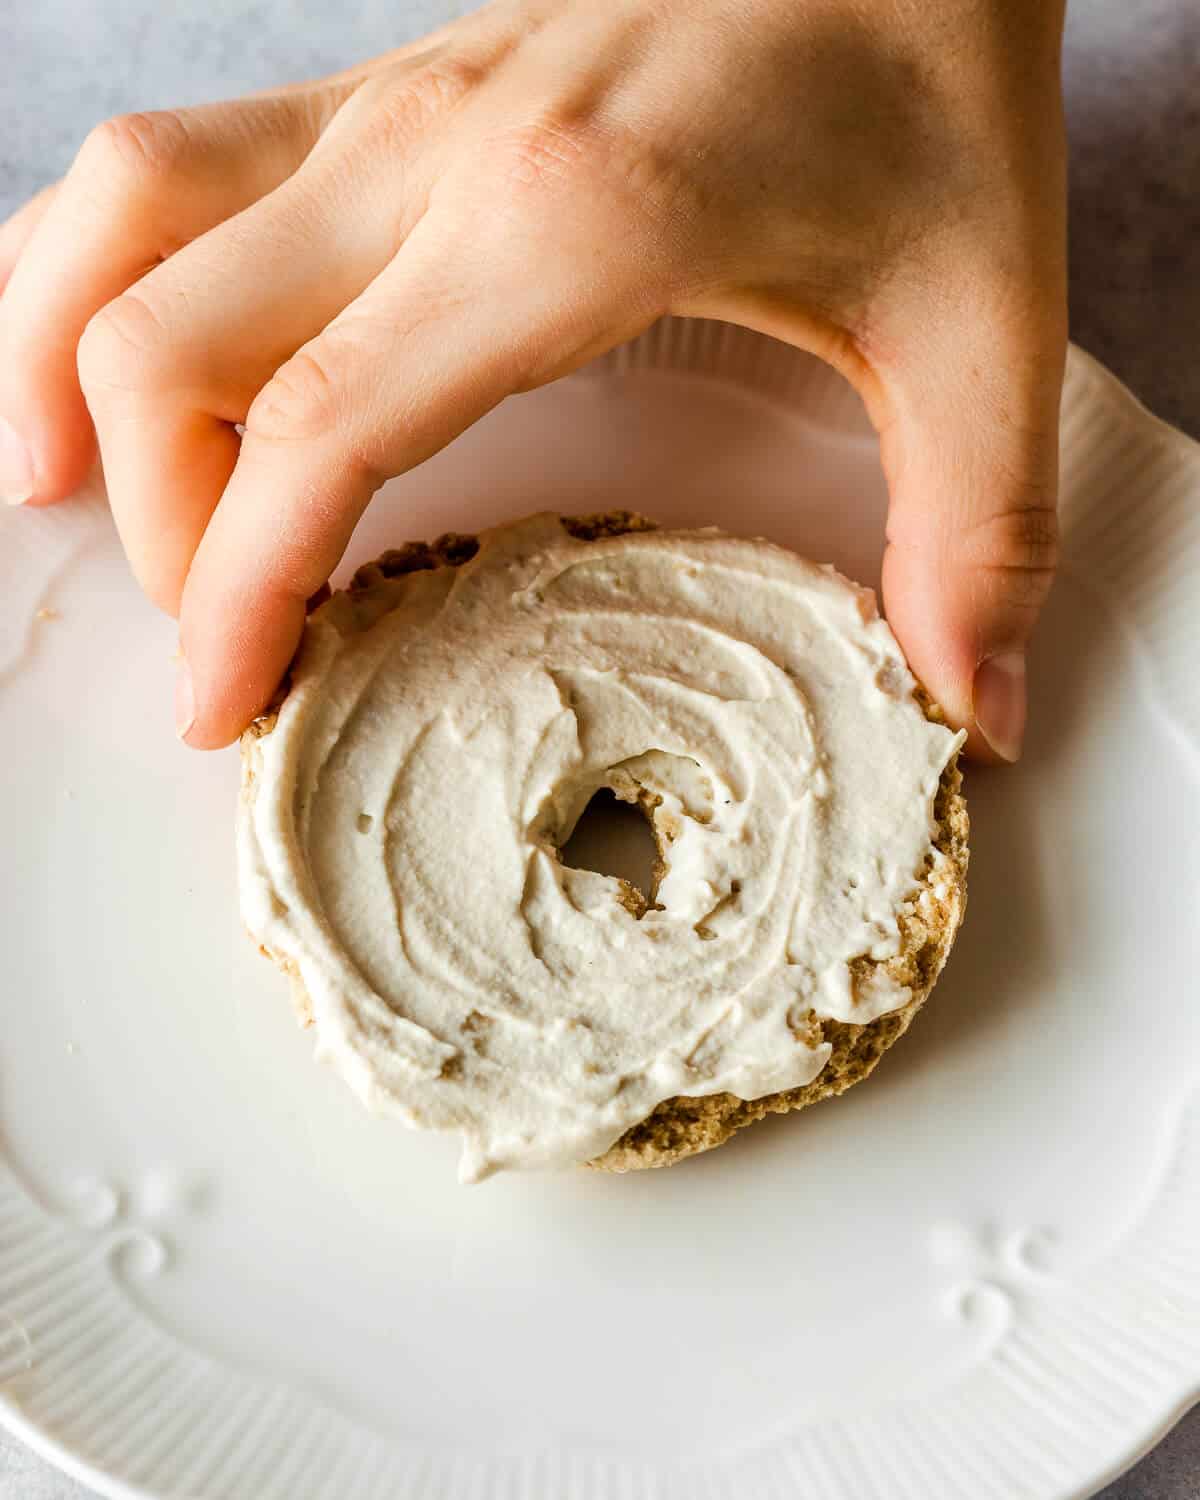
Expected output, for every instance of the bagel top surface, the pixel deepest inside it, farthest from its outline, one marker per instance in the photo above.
(443, 731)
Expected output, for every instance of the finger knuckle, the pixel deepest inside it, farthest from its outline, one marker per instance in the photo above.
(404, 105)
(303, 400)
(121, 347)
(139, 150)
(543, 154)
(440, 84)
(1020, 547)
(619, 173)
(669, 194)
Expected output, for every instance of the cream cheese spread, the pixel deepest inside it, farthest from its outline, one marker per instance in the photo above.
(444, 731)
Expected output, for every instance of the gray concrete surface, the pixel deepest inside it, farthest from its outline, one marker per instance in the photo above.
(1133, 92)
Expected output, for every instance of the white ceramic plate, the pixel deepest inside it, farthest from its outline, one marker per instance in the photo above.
(977, 1278)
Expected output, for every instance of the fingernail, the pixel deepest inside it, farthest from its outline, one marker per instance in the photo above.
(185, 701)
(16, 466)
(1000, 702)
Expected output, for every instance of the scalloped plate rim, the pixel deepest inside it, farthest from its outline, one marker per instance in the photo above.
(1106, 387)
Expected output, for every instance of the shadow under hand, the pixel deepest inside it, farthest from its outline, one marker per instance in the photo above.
(1006, 957)
(1023, 923)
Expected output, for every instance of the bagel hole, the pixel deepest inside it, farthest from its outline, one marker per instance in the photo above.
(613, 838)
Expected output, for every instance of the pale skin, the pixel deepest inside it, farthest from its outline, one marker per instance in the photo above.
(359, 268)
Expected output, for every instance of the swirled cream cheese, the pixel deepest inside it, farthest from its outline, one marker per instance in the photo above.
(444, 731)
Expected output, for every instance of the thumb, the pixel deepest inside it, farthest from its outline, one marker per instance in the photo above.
(970, 449)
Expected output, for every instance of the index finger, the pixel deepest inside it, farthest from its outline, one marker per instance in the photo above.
(441, 336)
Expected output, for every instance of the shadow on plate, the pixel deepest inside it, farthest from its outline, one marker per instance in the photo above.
(1003, 965)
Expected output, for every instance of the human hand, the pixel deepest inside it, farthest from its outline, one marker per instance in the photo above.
(358, 268)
